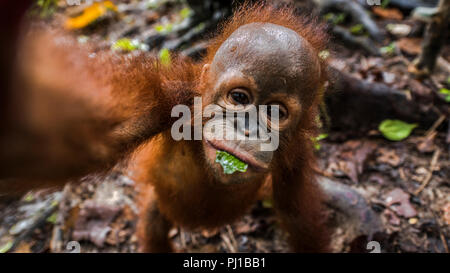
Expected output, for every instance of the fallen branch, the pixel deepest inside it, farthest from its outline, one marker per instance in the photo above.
(435, 126)
(434, 40)
(356, 103)
(194, 33)
(412, 4)
(232, 238)
(429, 175)
(448, 133)
(356, 11)
(227, 242)
(359, 42)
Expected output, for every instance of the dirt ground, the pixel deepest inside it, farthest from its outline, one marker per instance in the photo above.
(101, 214)
(405, 184)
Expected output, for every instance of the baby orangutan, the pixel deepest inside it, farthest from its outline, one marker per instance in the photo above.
(81, 113)
(263, 57)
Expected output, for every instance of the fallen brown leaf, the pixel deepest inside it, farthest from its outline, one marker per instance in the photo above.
(351, 159)
(398, 201)
(388, 13)
(418, 88)
(389, 157)
(446, 215)
(410, 45)
(427, 144)
(209, 233)
(93, 222)
(392, 218)
(23, 247)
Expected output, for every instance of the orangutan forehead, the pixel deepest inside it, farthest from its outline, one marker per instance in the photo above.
(269, 50)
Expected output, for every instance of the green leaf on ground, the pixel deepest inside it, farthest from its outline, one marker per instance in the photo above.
(446, 93)
(357, 29)
(388, 50)
(52, 218)
(335, 19)
(185, 13)
(4, 248)
(164, 29)
(396, 130)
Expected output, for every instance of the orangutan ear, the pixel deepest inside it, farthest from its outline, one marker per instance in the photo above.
(205, 72)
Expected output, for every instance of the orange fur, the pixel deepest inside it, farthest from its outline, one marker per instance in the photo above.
(84, 114)
(188, 195)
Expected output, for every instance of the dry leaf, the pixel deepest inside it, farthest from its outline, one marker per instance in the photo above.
(388, 13)
(418, 88)
(90, 14)
(391, 218)
(446, 215)
(23, 247)
(352, 159)
(398, 201)
(399, 29)
(410, 45)
(209, 233)
(427, 144)
(93, 222)
(389, 157)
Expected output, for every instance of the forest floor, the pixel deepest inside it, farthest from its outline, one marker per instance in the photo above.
(406, 183)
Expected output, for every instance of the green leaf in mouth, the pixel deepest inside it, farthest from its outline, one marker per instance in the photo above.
(230, 164)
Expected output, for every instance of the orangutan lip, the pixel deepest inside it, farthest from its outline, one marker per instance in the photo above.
(244, 157)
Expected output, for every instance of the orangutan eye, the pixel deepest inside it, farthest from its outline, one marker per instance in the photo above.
(239, 96)
(282, 113)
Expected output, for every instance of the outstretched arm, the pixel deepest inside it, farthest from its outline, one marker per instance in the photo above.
(73, 111)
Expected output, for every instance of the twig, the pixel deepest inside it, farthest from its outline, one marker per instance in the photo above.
(182, 238)
(435, 125)
(194, 239)
(448, 133)
(444, 241)
(441, 234)
(443, 64)
(227, 243)
(233, 239)
(430, 171)
(57, 239)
